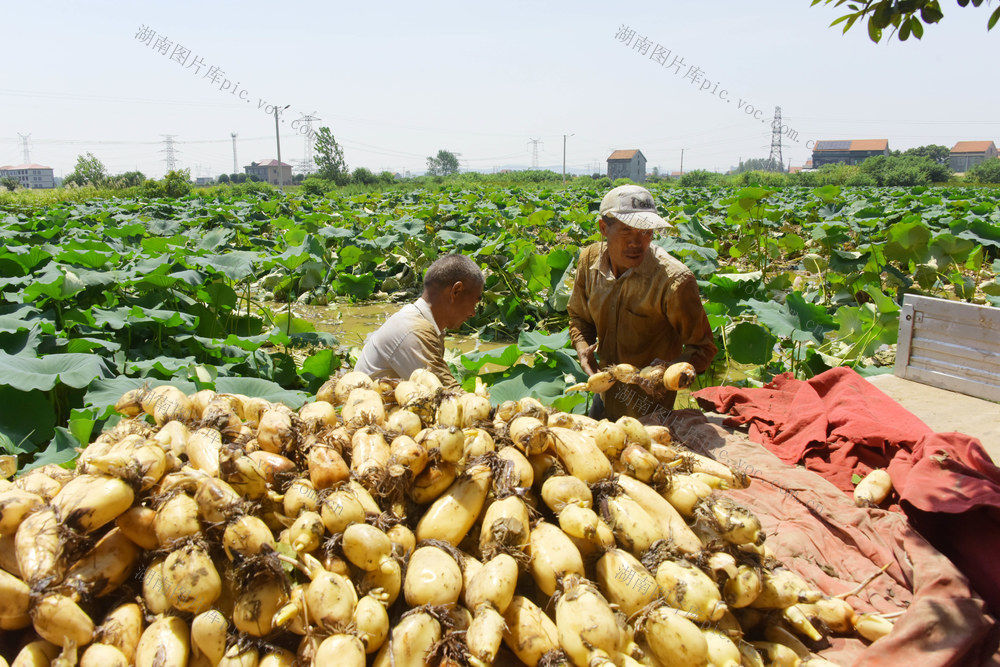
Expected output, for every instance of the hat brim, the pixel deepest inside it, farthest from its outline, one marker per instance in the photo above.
(641, 220)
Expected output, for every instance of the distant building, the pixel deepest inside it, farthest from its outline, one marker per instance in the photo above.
(204, 180)
(627, 164)
(267, 171)
(34, 176)
(848, 151)
(966, 154)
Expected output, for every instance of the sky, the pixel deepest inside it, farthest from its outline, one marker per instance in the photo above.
(398, 81)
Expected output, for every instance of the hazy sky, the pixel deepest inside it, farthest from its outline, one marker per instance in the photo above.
(397, 81)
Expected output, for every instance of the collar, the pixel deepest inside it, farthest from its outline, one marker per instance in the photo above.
(425, 309)
(602, 264)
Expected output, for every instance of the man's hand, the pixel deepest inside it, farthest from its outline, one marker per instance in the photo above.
(588, 358)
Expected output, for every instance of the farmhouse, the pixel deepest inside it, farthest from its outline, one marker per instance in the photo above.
(848, 151)
(966, 154)
(34, 176)
(267, 171)
(627, 164)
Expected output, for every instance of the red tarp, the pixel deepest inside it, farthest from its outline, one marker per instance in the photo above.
(817, 531)
(839, 424)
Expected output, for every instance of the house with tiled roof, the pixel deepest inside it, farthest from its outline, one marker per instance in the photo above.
(847, 151)
(267, 171)
(627, 164)
(34, 176)
(966, 154)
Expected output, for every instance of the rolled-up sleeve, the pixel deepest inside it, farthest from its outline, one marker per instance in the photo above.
(687, 316)
(582, 328)
(422, 348)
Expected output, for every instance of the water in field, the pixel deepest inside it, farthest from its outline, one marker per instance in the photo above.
(350, 323)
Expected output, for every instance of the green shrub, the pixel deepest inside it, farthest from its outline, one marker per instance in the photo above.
(255, 188)
(905, 175)
(987, 171)
(177, 183)
(767, 179)
(836, 174)
(905, 170)
(698, 178)
(363, 176)
(623, 181)
(807, 179)
(861, 180)
(152, 189)
(314, 185)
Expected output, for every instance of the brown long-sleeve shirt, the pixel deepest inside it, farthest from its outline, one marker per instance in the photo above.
(653, 311)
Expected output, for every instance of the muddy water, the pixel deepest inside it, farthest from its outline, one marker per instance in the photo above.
(351, 323)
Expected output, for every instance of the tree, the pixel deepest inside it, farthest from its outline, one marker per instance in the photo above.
(987, 171)
(906, 18)
(223, 178)
(129, 179)
(10, 183)
(314, 185)
(364, 176)
(759, 164)
(330, 157)
(697, 178)
(88, 171)
(936, 152)
(905, 170)
(177, 183)
(445, 164)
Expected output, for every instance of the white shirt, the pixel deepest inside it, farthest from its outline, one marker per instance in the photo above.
(408, 340)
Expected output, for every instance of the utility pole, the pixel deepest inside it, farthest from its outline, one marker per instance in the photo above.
(277, 139)
(236, 168)
(564, 156)
(682, 162)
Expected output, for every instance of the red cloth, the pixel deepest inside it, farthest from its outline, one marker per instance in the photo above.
(814, 529)
(839, 424)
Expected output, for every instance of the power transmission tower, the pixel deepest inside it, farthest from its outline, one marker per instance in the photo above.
(775, 163)
(534, 152)
(236, 167)
(24, 146)
(171, 159)
(306, 164)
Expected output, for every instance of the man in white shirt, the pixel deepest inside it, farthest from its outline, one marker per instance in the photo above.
(414, 336)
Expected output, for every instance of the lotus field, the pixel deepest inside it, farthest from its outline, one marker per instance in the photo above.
(110, 295)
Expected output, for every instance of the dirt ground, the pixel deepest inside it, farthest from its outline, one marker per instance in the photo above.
(947, 411)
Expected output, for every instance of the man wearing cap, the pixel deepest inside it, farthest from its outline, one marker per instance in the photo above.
(634, 303)
(414, 336)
